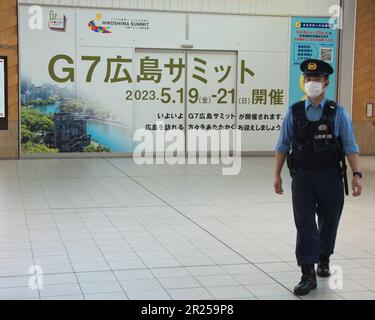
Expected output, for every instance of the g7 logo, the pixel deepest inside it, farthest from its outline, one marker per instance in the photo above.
(52, 15)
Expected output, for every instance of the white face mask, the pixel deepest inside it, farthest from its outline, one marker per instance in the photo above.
(314, 89)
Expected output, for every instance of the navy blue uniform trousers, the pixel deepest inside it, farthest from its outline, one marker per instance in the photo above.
(316, 193)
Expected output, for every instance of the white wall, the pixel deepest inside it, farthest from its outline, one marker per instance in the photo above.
(247, 7)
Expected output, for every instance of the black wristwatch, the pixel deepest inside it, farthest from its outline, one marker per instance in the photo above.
(359, 174)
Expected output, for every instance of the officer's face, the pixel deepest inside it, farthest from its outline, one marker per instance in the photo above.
(323, 80)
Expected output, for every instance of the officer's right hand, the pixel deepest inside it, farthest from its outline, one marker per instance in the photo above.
(278, 185)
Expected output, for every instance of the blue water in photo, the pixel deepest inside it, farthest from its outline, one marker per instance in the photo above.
(111, 136)
(48, 109)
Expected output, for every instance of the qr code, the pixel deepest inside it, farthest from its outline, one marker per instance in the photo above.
(326, 54)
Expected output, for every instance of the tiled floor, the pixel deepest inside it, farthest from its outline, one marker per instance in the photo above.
(110, 229)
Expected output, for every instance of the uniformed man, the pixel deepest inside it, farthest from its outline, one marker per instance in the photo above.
(315, 131)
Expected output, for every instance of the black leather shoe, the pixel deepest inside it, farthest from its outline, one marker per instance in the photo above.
(308, 281)
(323, 267)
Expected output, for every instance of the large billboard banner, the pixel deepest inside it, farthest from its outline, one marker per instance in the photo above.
(90, 78)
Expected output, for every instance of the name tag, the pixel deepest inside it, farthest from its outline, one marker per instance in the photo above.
(323, 136)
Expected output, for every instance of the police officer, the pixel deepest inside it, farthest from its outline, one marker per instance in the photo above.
(314, 131)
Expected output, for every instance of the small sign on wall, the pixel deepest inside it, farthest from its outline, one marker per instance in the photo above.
(3, 94)
(370, 110)
(311, 38)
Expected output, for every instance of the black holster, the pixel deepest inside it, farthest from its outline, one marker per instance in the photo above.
(289, 162)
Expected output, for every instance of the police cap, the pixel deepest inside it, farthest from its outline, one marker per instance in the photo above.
(317, 68)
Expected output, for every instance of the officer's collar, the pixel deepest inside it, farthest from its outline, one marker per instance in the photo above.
(309, 104)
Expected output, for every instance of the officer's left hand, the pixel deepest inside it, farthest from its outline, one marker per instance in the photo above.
(356, 186)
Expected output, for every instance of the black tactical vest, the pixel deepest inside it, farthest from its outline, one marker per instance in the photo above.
(313, 145)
